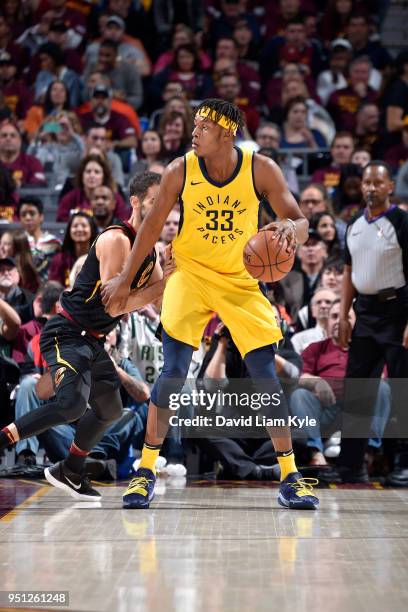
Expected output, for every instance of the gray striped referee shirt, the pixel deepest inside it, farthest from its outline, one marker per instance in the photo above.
(377, 251)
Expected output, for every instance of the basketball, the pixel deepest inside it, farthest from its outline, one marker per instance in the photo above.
(266, 259)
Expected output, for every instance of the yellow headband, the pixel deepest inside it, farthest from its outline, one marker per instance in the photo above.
(223, 121)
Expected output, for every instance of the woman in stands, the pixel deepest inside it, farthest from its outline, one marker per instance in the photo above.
(93, 172)
(80, 233)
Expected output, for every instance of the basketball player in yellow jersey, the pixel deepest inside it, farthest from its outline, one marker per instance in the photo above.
(219, 187)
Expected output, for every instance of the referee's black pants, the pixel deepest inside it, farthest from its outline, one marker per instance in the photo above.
(376, 341)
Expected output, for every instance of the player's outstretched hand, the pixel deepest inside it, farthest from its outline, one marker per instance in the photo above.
(114, 294)
(283, 229)
(169, 262)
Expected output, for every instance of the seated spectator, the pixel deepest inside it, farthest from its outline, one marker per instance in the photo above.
(72, 17)
(348, 198)
(225, 20)
(334, 78)
(151, 150)
(170, 228)
(6, 244)
(182, 35)
(17, 52)
(341, 151)
(175, 133)
(321, 388)
(124, 77)
(80, 233)
(268, 135)
(319, 309)
(278, 92)
(295, 132)
(227, 49)
(58, 138)
(11, 292)
(398, 154)
(178, 104)
(43, 244)
(361, 157)
(344, 103)
(33, 37)
(93, 172)
(20, 252)
(368, 133)
(25, 169)
(332, 275)
(121, 132)
(315, 199)
(131, 50)
(396, 98)
(66, 38)
(184, 69)
(8, 195)
(103, 206)
(325, 225)
(279, 14)
(52, 63)
(358, 33)
(299, 285)
(56, 101)
(17, 96)
(228, 88)
(248, 47)
(335, 20)
(401, 182)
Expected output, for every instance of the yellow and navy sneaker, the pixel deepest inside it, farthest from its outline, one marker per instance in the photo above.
(296, 492)
(140, 491)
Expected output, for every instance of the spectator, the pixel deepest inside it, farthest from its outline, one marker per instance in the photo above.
(182, 35)
(341, 151)
(33, 37)
(224, 23)
(10, 291)
(17, 52)
(321, 387)
(124, 77)
(344, 103)
(131, 50)
(227, 49)
(229, 88)
(401, 183)
(57, 140)
(52, 63)
(170, 228)
(8, 196)
(295, 133)
(347, 200)
(320, 304)
(368, 134)
(17, 96)
(26, 169)
(279, 14)
(334, 78)
(103, 206)
(80, 233)
(73, 18)
(175, 133)
(6, 244)
(185, 69)
(335, 20)
(43, 244)
(398, 154)
(121, 133)
(20, 252)
(332, 274)
(55, 102)
(361, 157)
(177, 103)
(248, 48)
(396, 99)
(68, 40)
(358, 33)
(299, 285)
(325, 225)
(93, 171)
(268, 135)
(151, 149)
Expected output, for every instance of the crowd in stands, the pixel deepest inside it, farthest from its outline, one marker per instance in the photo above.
(93, 92)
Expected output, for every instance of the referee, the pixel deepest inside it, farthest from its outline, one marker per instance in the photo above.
(376, 277)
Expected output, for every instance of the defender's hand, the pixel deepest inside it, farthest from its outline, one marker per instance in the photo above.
(115, 294)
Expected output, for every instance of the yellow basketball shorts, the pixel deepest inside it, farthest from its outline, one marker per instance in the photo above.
(189, 301)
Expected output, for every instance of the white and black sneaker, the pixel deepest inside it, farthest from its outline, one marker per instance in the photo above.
(77, 485)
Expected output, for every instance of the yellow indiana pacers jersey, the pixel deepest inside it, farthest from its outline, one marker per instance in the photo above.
(216, 219)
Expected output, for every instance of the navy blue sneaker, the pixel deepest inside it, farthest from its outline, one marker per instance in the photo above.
(140, 491)
(296, 492)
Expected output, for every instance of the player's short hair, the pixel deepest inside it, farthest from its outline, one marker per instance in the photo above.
(141, 182)
(378, 163)
(30, 201)
(221, 108)
(50, 294)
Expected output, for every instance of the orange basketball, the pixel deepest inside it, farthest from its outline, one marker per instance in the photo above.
(266, 259)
